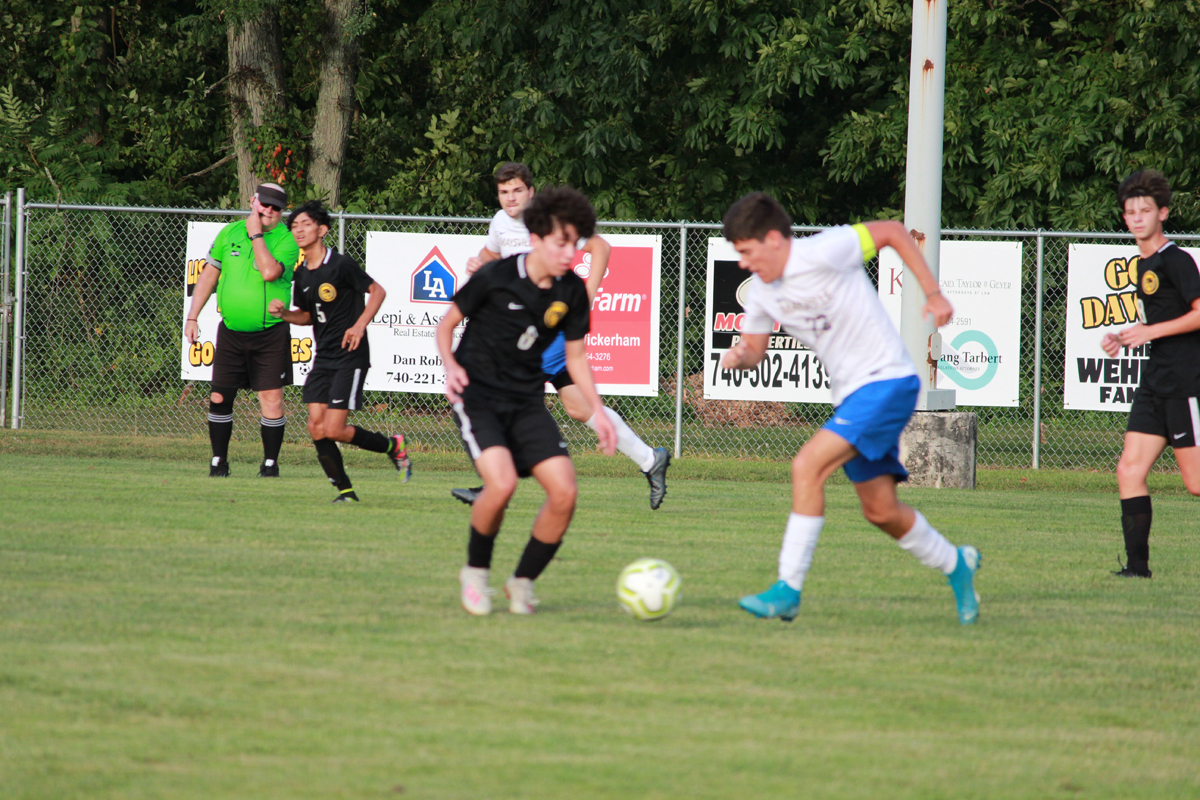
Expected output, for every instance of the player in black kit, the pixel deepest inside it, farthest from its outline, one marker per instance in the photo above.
(1164, 410)
(494, 382)
(328, 294)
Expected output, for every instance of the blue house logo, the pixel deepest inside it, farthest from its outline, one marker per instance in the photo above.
(433, 281)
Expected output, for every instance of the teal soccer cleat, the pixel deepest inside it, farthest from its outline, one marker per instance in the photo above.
(962, 581)
(780, 601)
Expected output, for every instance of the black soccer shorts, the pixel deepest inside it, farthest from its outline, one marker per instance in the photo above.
(525, 427)
(1177, 419)
(335, 387)
(261, 360)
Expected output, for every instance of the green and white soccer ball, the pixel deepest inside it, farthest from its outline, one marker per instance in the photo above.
(649, 588)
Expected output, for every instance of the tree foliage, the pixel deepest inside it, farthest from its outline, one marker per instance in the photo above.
(656, 108)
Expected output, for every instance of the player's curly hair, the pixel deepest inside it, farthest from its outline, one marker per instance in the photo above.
(1145, 183)
(315, 210)
(558, 206)
(514, 169)
(754, 216)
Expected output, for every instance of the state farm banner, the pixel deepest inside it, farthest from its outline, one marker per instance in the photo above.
(421, 272)
(1102, 298)
(981, 345)
(789, 372)
(195, 361)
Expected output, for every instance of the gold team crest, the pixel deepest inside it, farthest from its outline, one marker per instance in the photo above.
(555, 313)
(1149, 282)
(327, 293)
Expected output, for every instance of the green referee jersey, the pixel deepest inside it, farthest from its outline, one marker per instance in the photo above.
(242, 294)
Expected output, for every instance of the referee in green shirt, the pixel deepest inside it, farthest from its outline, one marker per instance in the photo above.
(250, 264)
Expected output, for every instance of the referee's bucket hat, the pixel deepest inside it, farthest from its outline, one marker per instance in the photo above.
(271, 194)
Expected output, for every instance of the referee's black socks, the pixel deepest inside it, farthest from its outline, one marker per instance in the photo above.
(272, 437)
(331, 461)
(1136, 515)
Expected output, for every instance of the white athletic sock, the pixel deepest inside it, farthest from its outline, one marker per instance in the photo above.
(799, 542)
(930, 547)
(627, 441)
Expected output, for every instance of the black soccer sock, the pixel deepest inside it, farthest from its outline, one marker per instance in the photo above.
(272, 437)
(370, 440)
(220, 425)
(479, 550)
(331, 461)
(1136, 515)
(535, 559)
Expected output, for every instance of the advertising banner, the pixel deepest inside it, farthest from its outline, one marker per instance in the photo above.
(789, 372)
(1102, 298)
(981, 345)
(421, 272)
(196, 359)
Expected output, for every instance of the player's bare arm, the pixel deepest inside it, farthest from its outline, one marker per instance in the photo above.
(200, 294)
(475, 262)
(581, 374)
(456, 375)
(748, 351)
(1138, 334)
(599, 250)
(295, 316)
(889, 233)
(353, 336)
(263, 218)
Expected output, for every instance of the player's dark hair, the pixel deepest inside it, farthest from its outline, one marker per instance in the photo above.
(514, 169)
(315, 211)
(1145, 183)
(560, 206)
(754, 216)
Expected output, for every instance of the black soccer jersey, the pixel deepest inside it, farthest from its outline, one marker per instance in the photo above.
(333, 294)
(1167, 283)
(511, 322)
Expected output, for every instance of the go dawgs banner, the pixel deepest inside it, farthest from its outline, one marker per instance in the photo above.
(422, 271)
(196, 359)
(1102, 298)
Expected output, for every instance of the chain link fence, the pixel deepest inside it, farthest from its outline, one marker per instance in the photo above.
(98, 324)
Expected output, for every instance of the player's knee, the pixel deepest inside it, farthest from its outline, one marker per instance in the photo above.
(502, 488)
(333, 429)
(316, 429)
(1128, 470)
(1192, 484)
(880, 514)
(562, 497)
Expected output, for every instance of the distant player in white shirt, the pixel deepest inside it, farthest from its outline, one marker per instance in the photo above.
(817, 290)
(508, 236)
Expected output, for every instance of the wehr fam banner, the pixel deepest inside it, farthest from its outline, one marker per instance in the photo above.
(789, 372)
(422, 271)
(196, 359)
(981, 345)
(1102, 298)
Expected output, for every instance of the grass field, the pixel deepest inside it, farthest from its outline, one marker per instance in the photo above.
(167, 636)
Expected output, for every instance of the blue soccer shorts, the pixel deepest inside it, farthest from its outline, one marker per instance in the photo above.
(872, 419)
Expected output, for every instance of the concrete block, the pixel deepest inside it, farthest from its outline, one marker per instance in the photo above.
(938, 449)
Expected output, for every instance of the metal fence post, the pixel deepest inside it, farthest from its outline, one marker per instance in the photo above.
(679, 333)
(5, 302)
(1037, 354)
(341, 232)
(17, 310)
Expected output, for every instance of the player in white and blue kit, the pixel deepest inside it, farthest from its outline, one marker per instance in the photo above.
(817, 290)
(508, 236)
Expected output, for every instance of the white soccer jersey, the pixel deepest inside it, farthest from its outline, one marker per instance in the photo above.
(826, 301)
(507, 236)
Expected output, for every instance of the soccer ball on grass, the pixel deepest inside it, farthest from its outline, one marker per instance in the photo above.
(649, 588)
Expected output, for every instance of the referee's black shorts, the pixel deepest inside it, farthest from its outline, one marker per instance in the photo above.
(1177, 419)
(261, 360)
(525, 427)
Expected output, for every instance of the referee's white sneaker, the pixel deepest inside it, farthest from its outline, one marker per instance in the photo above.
(476, 594)
(520, 595)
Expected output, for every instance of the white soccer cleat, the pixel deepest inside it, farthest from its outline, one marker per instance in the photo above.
(476, 594)
(521, 599)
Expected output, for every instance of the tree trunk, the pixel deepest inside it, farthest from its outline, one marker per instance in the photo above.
(335, 101)
(255, 90)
